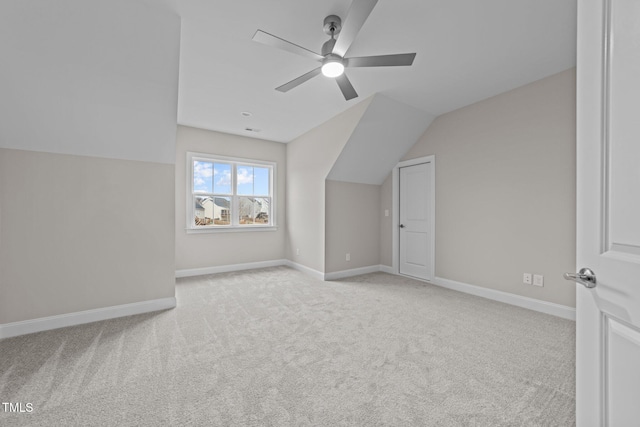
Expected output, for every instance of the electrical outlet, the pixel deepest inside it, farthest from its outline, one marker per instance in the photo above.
(348, 257)
(297, 251)
(526, 279)
(386, 212)
(538, 280)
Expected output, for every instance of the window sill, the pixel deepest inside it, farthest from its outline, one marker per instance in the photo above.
(231, 229)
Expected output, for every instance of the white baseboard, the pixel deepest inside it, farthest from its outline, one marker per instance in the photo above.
(532, 304)
(387, 269)
(14, 329)
(231, 267)
(304, 269)
(250, 266)
(275, 263)
(352, 272)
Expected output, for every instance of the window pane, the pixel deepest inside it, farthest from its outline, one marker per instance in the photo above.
(245, 210)
(222, 178)
(202, 177)
(253, 210)
(245, 180)
(262, 207)
(261, 181)
(212, 211)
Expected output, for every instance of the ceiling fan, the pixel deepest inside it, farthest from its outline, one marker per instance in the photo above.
(333, 51)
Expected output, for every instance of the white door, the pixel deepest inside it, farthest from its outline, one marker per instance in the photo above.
(415, 221)
(608, 213)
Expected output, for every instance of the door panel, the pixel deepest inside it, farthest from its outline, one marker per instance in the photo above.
(624, 127)
(417, 252)
(416, 203)
(608, 208)
(623, 375)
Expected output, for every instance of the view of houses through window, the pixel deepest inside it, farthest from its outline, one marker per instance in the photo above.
(228, 193)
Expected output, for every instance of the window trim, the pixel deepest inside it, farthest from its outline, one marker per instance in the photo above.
(190, 207)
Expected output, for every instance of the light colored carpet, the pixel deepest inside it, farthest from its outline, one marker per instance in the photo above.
(273, 347)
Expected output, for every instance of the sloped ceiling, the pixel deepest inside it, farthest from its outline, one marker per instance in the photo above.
(386, 131)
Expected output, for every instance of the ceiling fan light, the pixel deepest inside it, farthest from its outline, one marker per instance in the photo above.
(333, 68)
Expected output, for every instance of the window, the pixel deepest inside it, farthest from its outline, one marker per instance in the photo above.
(228, 194)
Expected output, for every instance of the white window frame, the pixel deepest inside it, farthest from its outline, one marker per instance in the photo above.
(234, 226)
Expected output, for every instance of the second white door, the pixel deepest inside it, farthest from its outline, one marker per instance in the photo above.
(415, 221)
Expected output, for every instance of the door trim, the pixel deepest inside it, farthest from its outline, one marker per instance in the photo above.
(395, 211)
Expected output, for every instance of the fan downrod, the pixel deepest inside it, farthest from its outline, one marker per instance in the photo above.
(332, 27)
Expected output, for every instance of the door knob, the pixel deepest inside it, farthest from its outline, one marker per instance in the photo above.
(585, 277)
(401, 225)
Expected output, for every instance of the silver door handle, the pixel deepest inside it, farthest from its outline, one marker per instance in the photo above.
(585, 277)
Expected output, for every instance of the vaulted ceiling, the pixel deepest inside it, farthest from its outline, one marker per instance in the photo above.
(467, 50)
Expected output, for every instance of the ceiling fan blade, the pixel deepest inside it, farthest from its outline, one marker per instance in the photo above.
(356, 16)
(346, 87)
(298, 81)
(381, 61)
(277, 42)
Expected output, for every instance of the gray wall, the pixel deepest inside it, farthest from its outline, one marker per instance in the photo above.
(309, 160)
(202, 250)
(87, 147)
(505, 189)
(352, 225)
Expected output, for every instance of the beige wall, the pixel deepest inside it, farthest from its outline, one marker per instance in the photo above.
(309, 160)
(79, 233)
(505, 189)
(87, 145)
(352, 225)
(386, 225)
(203, 250)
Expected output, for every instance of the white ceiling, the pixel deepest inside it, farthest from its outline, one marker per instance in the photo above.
(467, 50)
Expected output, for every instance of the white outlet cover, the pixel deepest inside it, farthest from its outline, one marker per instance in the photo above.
(538, 280)
(526, 279)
